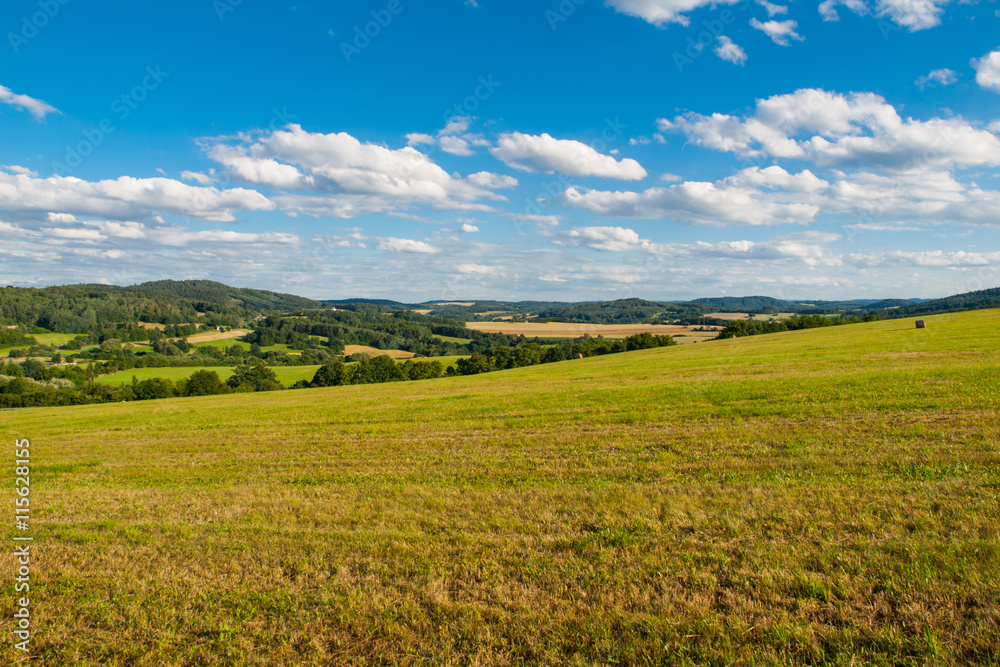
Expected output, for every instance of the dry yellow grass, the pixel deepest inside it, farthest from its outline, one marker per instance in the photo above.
(375, 352)
(208, 337)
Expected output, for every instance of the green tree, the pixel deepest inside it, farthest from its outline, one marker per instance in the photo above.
(256, 377)
(154, 388)
(204, 383)
(328, 375)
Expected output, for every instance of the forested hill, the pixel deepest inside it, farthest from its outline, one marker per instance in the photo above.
(81, 308)
(207, 292)
(978, 300)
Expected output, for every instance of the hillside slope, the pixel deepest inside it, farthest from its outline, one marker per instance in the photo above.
(819, 496)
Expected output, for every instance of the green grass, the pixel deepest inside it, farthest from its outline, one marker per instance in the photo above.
(287, 375)
(223, 344)
(452, 339)
(53, 339)
(829, 496)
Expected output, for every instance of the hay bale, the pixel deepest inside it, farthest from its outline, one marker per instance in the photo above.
(921, 325)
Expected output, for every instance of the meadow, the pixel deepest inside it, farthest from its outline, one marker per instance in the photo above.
(287, 375)
(826, 496)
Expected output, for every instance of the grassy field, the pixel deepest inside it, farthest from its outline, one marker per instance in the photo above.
(287, 375)
(53, 339)
(829, 496)
(453, 339)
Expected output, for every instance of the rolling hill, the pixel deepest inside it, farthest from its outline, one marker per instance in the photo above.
(827, 496)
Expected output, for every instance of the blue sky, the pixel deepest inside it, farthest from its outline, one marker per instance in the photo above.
(583, 149)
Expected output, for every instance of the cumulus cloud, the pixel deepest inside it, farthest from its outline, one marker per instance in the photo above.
(405, 245)
(338, 165)
(125, 197)
(913, 15)
(938, 77)
(733, 201)
(730, 51)
(544, 153)
(37, 108)
(661, 12)
(772, 9)
(988, 71)
(831, 129)
(468, 229)
(779, 31)
(197, 177)
(416, 139)
(493, 181)
(609, 239)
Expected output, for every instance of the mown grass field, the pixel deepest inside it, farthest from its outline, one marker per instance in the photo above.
(287, 375)
(826, 496)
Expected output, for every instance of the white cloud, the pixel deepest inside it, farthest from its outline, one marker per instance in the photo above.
(405, 245)
(730, 51)
(544, 153)
(609, 239)
(832, 129)
(338, 166)
(988, 71)
(125, 197)
(37, 108)
(197, 177)
(771, 8)
(828, 8)
(455, 146)
(927, 258)
(63, 218)
(493, 181)
(74, 234)
(416, 139)
(256, 170)
(779, 31)
(939, 77)
(472, 269)
(468, 229)
(456, 125)
(911, 14)
(661, 12)
(732, 201)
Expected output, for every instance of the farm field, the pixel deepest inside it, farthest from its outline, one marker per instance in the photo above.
(573, 330)
(210, 336)
(287, 375)
(826, 496)
(375, 352)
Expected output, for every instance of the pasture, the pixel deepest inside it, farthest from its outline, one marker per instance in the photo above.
(827, 496)
(287, 375)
